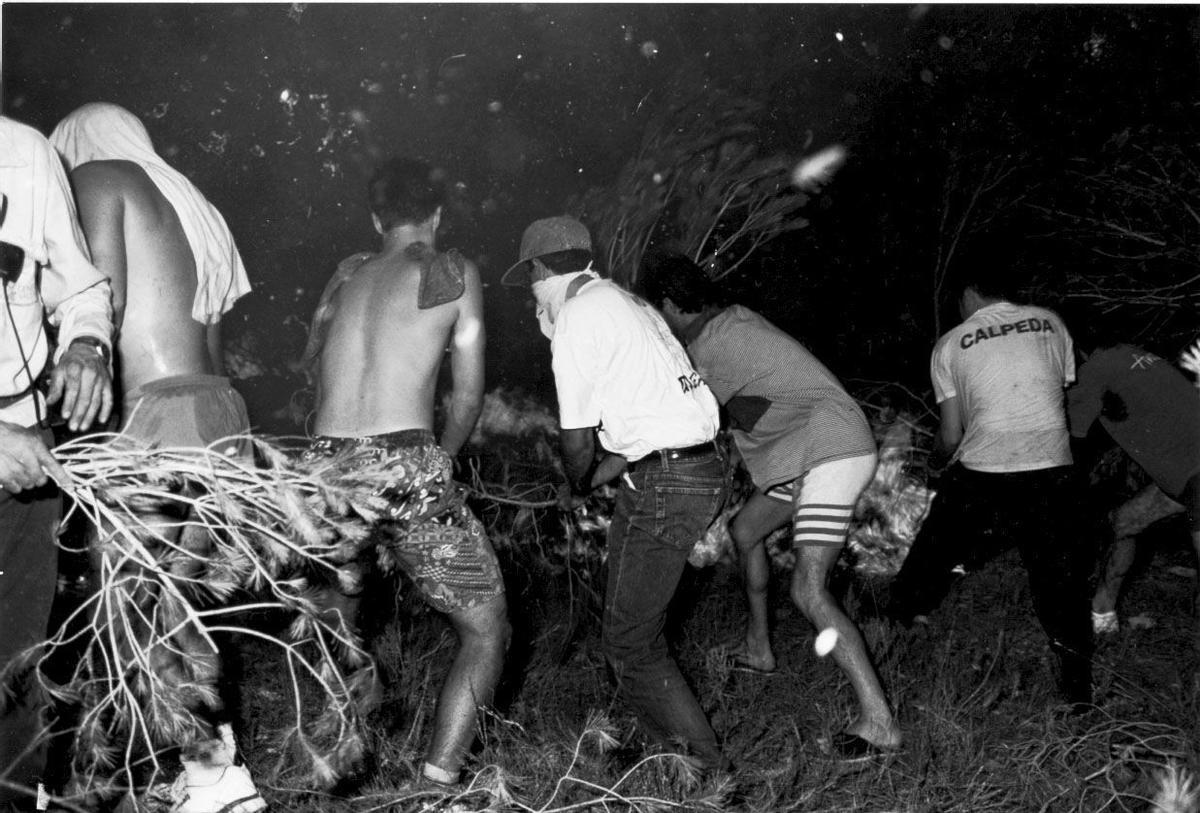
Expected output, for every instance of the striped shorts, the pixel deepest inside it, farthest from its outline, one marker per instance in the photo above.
(823, 499)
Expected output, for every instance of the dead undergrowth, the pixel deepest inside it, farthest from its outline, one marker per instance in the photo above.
(973, 693)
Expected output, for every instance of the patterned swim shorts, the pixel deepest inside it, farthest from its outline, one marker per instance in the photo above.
(429, 532)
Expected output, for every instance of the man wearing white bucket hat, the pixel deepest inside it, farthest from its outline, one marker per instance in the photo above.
(624, 384)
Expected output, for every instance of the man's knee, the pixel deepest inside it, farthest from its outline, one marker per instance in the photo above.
(809, 598)
(809, 591)
(485, 625)
(757, 518)
(623, 655)
(742, 534)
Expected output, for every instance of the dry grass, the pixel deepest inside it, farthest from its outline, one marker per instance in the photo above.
(229, 543)
(973, 694)
(972, 691)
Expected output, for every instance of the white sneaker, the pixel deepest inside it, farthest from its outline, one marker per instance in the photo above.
(211, 783)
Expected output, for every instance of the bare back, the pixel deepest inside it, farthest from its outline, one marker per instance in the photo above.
(379, 363)
(136, 239)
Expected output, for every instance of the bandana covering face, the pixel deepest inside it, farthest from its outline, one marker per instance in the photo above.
(106, 132)
(551, 295)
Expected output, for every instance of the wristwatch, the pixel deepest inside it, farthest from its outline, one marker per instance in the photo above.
(102, 349)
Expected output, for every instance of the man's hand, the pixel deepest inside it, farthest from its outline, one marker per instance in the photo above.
(25, 462)
(82, 381)
(937, 462)
(1190, 361)
(610, 467)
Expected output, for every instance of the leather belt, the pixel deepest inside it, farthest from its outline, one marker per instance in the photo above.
(662, 456)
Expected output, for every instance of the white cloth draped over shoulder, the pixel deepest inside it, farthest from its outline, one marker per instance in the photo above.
(106, 132)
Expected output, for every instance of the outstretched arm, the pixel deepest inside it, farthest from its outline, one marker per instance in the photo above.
(466, 365)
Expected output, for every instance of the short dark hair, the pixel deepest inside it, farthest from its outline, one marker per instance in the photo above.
(990, 265)
(567, 261)
(675, 277)
(404, 191)
(1090, 329)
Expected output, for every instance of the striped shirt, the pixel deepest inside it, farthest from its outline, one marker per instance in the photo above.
(788, 413)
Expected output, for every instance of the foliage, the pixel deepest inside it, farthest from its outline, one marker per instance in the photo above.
(972, 695)
(199, 543)
(515, 472)
(1132, 227)
(701, 184)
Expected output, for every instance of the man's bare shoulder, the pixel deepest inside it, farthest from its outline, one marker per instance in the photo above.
(116, 177)
(112, 171)
(353, 262)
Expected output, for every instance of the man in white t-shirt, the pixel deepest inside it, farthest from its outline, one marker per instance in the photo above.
(625, 385)
(999, 380)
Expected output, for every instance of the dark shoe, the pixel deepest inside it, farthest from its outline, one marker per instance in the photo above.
(1074, 677)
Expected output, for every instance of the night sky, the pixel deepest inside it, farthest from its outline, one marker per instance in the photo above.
(279, 112)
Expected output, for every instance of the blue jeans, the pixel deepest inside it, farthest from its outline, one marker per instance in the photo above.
(655, 523)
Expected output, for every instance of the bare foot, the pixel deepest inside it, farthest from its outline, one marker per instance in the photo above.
(752, 655)
(742, 654)
(883, 735)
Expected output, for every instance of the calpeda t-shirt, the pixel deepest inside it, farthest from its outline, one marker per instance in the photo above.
(1007, 365)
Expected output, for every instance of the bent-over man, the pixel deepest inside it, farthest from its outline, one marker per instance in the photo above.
(1152, 412)
(44, 271)
(999, 379)
(810, 453)
(377, 340)
(174, 271)
(624, 381)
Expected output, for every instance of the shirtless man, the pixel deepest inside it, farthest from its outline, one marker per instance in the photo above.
(377, 340)
(174, 271)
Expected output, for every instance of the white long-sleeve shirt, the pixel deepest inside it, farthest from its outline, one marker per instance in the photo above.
(57, 279)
